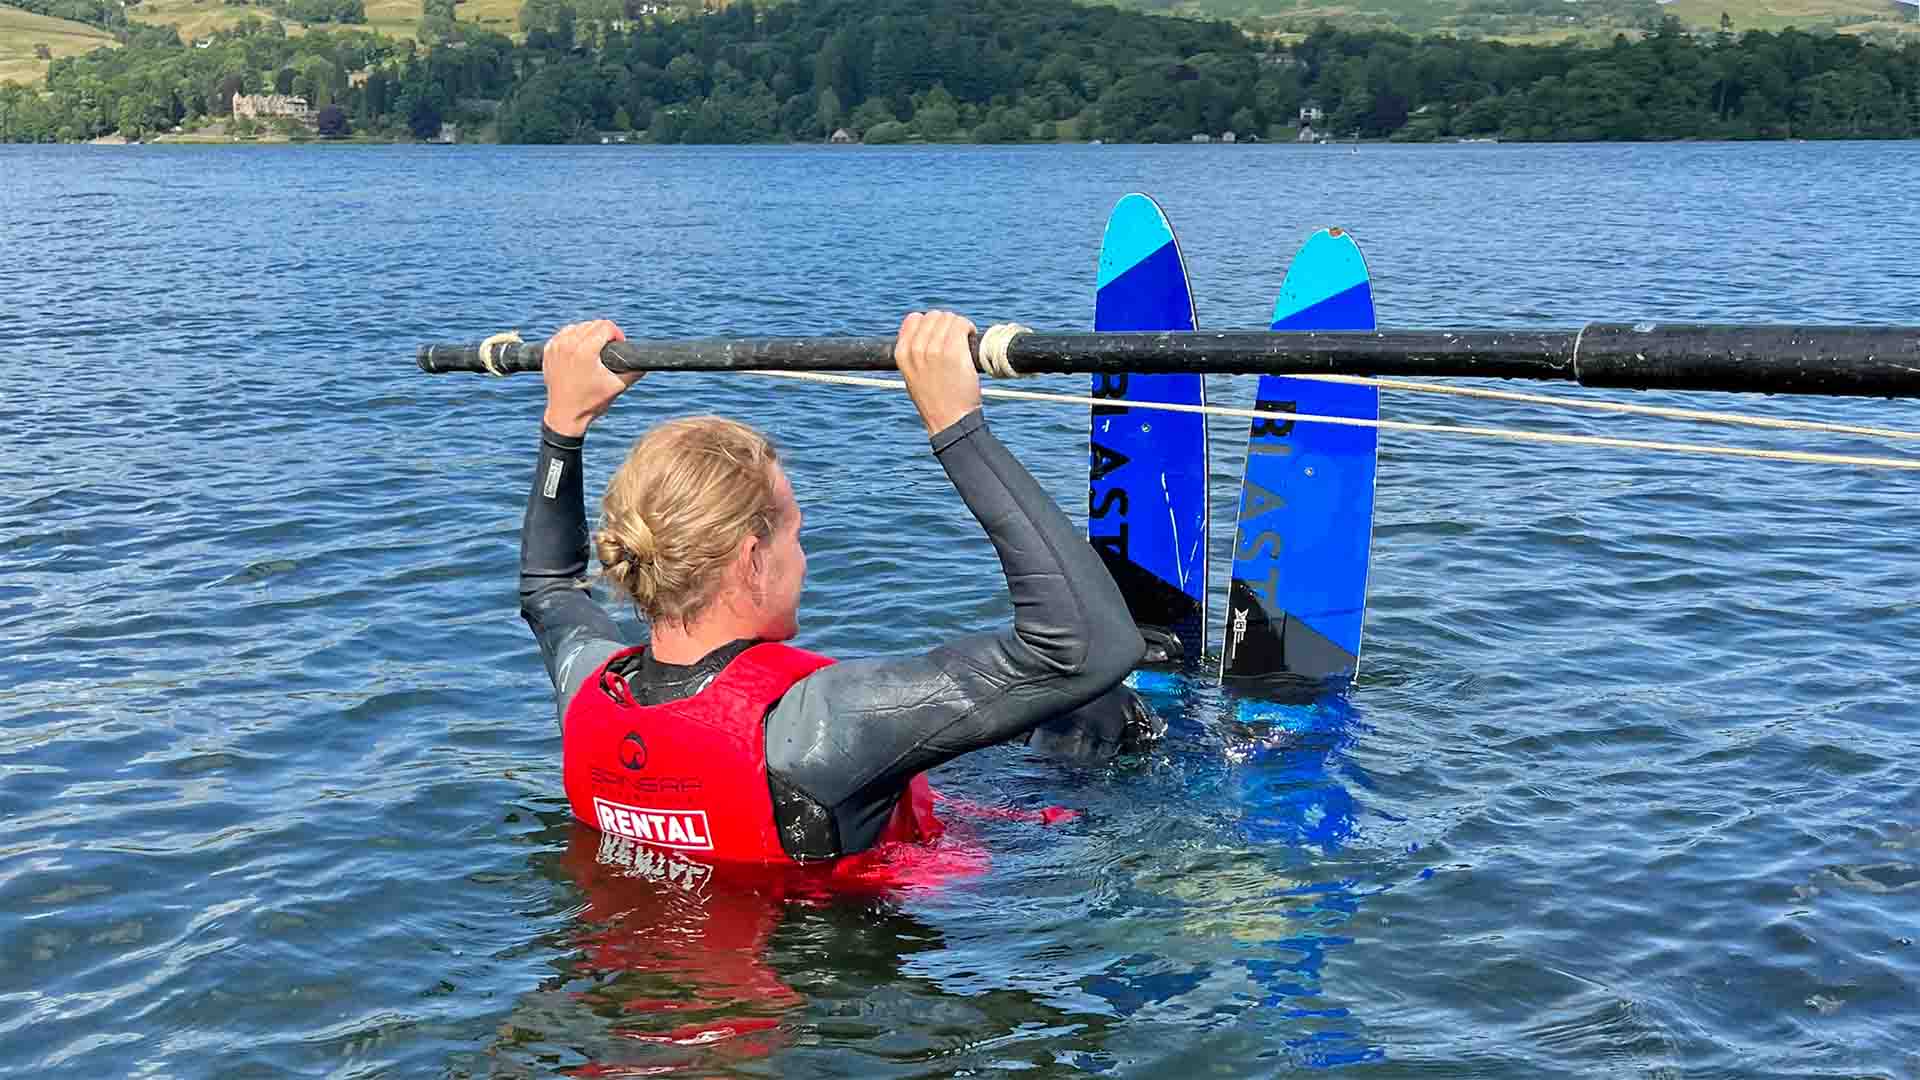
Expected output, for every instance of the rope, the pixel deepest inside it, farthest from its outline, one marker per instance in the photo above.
(993, 350)
(1619, 407)
(490, 350)
(1515, 434)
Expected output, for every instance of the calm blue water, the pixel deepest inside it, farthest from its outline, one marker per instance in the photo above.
(1628, 786)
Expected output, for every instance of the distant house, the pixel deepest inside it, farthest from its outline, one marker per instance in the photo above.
(1201, 136)
(265, 106)
(1226, 136)
(1307, 134)
(1310, 113)
(449, 134)
(359, 78)
(841, 135)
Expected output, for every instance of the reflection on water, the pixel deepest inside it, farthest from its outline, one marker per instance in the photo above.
(664, 969)
(667, 966)
(1294, 796)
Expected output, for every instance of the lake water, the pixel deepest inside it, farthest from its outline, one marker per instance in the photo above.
(1628, 785)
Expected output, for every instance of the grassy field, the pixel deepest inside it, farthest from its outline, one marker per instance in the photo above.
(1780, 14)
(395, 18)
(500, 16)
(198, 18)
(20, 31)
(1587, 19)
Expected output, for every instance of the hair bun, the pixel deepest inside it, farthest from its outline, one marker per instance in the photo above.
(639, 538)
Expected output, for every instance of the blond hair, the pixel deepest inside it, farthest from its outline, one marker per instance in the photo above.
(676, 510)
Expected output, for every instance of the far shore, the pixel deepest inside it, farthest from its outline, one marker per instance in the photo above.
(204, 139)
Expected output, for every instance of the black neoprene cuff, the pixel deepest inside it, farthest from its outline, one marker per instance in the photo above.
(561, 442)
(956, 431)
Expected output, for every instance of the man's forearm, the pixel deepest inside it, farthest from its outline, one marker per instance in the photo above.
(553, 535)
(553, 562)
(1066, 609)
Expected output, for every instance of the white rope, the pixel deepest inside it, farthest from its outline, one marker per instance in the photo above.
(1514, 434)
(993, 349)
(1705, 416)
(490, 350)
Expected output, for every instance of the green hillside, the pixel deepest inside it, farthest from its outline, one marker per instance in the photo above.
(1592, 21)
(966, 70)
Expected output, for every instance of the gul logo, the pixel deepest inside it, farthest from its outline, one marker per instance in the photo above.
(633, 751)
(683, 830)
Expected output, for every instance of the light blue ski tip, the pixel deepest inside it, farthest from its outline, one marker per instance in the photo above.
(1328, 264)
(1135, 230)
(1350, 310)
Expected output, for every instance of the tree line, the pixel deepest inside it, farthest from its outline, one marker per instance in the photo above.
(317, 11)
(976, 70)
(106, 14)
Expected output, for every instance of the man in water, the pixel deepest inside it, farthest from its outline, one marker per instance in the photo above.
(717, 739)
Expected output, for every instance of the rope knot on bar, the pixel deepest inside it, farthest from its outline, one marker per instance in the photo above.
(491, 348)
(993, 350)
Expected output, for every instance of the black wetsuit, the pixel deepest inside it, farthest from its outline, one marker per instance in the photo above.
(844, 742)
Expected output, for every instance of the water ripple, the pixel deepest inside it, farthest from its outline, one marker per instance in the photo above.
(1627, 785)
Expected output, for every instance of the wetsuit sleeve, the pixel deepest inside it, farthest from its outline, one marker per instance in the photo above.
(849, 737)
(576, 635)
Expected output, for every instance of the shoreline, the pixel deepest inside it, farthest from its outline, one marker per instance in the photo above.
(1464, 143)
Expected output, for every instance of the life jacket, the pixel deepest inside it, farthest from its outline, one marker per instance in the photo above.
(690, 776)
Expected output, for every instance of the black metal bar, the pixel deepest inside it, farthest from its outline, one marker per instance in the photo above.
(1871, 361)
(1505, 354)
(1877, 361)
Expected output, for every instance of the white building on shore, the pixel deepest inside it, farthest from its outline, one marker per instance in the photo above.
(264, 106)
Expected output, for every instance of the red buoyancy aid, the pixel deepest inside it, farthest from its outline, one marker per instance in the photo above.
(691, 775)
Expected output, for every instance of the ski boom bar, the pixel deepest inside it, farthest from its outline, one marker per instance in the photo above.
(1867, 361)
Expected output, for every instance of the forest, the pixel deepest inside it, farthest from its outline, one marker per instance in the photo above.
(965, 70)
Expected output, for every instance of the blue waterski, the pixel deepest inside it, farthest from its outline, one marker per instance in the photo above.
(1147, 469)
(1298, 594)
